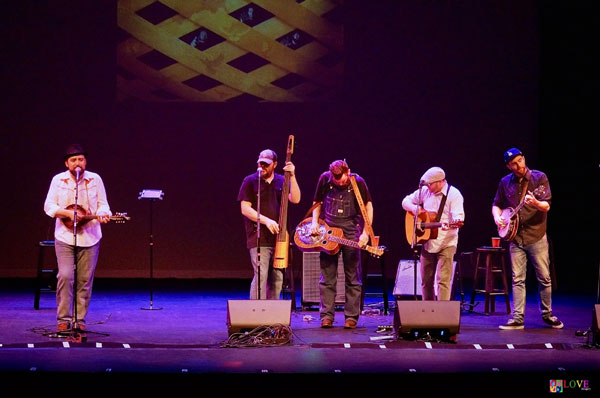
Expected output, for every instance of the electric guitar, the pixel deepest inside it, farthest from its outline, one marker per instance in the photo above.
(511, 216)
(83, 218)
(427, 229)
(282, 243)
(328, 239)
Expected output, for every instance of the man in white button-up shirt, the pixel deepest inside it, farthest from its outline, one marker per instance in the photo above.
(92, 210)
(437, 255)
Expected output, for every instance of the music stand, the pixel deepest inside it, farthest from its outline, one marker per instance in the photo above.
(152, 195)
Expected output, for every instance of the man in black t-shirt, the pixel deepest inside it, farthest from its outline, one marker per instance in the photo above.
(271, 187)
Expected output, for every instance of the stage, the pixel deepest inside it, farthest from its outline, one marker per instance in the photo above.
(187, 340)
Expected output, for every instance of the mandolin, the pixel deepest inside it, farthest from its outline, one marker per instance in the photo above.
(426, 228)
(83, 218)
(282, 243)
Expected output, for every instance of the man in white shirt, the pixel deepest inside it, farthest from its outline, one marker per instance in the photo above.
(437, 255)
(77, 186)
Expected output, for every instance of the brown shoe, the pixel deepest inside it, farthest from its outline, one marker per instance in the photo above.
(350, 324)
(62, 327)
(326, 323)
(81, 326)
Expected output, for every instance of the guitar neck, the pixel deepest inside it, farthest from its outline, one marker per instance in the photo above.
(429, 225)
(283, 210)
(285, 193)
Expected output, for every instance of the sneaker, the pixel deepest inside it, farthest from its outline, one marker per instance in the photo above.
(62, 327)
(553, 321)
(512, 324)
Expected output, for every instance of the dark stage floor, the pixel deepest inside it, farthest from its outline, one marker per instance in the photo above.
(185, 340)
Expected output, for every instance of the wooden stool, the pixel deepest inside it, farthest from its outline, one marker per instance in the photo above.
(46, 277)
(491, 263)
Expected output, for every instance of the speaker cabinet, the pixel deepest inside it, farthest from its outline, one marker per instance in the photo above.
(415, 319)
(596, 325)
(311, 274)
(405, 277)
(246, 315)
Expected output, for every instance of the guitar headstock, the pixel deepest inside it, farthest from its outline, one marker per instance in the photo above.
(290, 146)
(539, 191)
(453, 225)
(120, 217)
(376, 251)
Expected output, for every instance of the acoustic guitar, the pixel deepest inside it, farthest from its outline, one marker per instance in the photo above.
(83, 218)
(427, 228)
(511, 216)
(328, 239)
(282, 243)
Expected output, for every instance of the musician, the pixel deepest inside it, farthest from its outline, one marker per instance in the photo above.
(339, 207)
(530, 240)
(437, 255)
(91, 200)
(271, 187)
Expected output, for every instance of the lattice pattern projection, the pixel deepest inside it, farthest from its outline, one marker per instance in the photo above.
(230, 50)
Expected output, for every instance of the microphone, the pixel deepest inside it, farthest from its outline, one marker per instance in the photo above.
(77, 171)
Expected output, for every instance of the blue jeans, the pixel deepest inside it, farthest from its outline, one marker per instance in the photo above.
(271, 279)
(537, 253)
(352, 286)
(87, 257)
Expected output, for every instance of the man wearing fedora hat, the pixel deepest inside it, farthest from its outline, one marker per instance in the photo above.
(83, 240)
(271, 187)
(435, 195)
(530, 240)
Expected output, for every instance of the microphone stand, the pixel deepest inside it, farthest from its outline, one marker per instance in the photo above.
(75, 333)
(414, 245)
(258, 234)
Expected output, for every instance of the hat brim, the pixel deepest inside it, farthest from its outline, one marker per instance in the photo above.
(265, 160)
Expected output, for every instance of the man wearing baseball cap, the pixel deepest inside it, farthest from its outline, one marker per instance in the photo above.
(532, 188)
(271, 187)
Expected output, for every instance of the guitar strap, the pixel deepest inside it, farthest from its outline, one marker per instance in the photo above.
(361, 204)
(524, 191)
(309, 212)
(438, 217)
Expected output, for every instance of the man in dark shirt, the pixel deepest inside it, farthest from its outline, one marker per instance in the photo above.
(532, 188)
(340, 209)
(271, 187)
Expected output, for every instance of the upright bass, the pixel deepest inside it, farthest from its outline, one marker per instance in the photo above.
(282, 244)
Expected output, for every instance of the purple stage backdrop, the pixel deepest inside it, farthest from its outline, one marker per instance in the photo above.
(424, 84)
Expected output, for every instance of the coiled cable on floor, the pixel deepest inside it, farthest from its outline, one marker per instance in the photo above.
(266, 335)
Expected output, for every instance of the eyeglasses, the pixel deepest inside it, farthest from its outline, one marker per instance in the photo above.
(431, 183)
(264, 165)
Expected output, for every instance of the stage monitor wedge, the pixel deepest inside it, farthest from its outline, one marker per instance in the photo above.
(246, 315)
(596, 325)
(414, 319)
